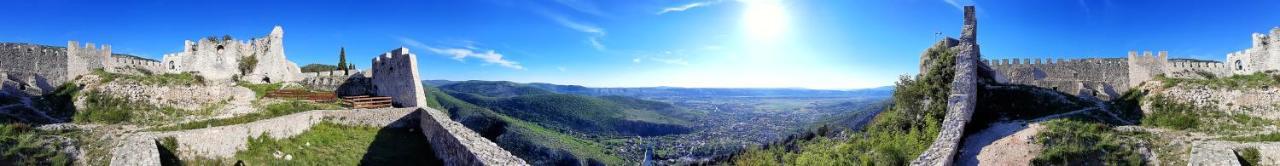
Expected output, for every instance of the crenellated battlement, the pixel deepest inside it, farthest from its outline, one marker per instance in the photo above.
(1051, 61)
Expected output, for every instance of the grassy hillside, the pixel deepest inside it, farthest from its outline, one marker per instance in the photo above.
(529, 141)
(610, 115)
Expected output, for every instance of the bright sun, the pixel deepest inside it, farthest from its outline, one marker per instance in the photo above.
(764, 20)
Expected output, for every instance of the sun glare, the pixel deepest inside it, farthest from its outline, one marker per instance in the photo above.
(764, 20)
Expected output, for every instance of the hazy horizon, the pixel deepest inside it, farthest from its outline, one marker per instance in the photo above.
(699, 43)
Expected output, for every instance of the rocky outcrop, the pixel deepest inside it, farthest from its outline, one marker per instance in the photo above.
(186, 97)
(1253, 101)
(960, 104)
(1224, 152)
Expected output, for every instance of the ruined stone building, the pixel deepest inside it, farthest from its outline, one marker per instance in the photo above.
(220, 59)
(1263, 56)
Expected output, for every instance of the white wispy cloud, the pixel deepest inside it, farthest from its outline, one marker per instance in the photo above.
(686, 7)
(595, 33)
(959, 4)
(461, 54)
(584, 6)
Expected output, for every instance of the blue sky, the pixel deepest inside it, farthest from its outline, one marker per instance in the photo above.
(626, 43)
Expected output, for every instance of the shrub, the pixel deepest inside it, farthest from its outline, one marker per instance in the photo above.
(247, 63)
(21, 145)
(1170, 114)
(101, 108)
(1078, 142)
(168, 151)
(1248, 156)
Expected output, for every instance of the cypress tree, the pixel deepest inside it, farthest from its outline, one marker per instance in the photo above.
(342, 59)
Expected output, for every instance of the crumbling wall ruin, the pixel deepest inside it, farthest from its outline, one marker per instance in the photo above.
(220, 59)
(1263, 55)
(395, 74)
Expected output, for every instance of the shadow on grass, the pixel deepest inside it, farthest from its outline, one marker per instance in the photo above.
(401, 143)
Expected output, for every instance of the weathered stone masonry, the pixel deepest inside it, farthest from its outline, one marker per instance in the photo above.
(395, 74)
(1107, 78)
(960, 103)
(219, 59)
(45, 67)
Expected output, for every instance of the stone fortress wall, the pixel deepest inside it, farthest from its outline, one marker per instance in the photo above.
(82, 60)
(1095, 77)
(395, 74)
(46, 67)
(118, 64)
(219, 59)
(1107, 77)
(327, 80)
(29, 67)
(331, 73)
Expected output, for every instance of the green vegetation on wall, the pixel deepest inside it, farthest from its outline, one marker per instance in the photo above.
(247, 64)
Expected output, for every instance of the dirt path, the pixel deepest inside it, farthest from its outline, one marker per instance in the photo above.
(1007, 142)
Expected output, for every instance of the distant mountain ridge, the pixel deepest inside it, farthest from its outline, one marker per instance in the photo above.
(696, 92)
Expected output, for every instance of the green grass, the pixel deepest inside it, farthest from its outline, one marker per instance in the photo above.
(1255, 80)
(20, 144)
(166, 79)
(1269, 137)
(270, 111)
(333, 144)
(260, 90)
(1248, 156)
(1078, 142)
